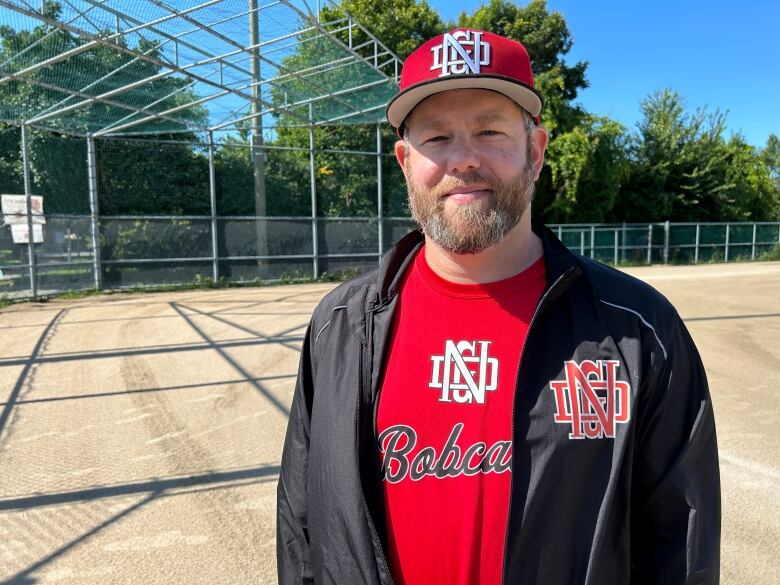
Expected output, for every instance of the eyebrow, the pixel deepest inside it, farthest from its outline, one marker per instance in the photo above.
(490, 116)
(483, 118)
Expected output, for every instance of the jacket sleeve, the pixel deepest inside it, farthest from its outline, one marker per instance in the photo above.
(292, 535)
(675, 524)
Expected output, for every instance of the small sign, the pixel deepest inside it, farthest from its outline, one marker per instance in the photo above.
(21, 235)
(15, 209)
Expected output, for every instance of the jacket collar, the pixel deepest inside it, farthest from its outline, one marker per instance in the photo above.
(557, 257)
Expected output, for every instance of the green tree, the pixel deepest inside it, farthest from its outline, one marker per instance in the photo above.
(683, 169)
(770, 155)
(401, 25)
(587, 167)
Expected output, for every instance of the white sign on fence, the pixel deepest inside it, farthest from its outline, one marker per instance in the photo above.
(15, 209)
(21, 235)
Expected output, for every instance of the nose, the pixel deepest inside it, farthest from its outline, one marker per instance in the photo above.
(463, 156)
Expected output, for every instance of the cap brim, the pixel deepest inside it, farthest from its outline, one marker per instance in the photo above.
(403, 103)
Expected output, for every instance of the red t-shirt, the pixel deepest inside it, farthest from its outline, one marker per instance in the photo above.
(445, 423)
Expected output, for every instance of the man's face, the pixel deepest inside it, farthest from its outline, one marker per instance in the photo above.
(470, 167)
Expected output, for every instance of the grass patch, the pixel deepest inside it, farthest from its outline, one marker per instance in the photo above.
(770, 255)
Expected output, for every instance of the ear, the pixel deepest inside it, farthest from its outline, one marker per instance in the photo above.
(539, 139)
(400, 152)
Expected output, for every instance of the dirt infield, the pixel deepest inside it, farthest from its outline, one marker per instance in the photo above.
(140, 435)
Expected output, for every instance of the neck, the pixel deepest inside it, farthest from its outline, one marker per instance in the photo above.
(518, 250)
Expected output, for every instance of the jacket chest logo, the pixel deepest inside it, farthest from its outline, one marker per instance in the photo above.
(591, 399)
(463, 373)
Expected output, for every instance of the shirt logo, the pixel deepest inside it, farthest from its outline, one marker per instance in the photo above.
(454, 372)
(461, 52)
(591, 399)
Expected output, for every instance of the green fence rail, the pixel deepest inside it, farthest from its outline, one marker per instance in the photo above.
(149, 251)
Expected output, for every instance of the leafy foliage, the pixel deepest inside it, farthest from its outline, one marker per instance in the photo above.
(682, 168)
(676, 164)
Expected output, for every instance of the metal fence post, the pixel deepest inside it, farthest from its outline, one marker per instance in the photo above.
(696, 246)
(650, 244)
(315, 245)
(379, 200)
(666, 242)
(617, 241)
(32, 260)
(623, 249)
(213, 205)
(753, 248)
(560, 232)
(592, 242)
(94, 211)
(727, 243)
(582, 243)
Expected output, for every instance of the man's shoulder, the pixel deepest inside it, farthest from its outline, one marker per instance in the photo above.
(350, 292)
(617, 291)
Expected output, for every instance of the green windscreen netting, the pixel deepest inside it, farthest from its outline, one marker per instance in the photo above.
(135, 67)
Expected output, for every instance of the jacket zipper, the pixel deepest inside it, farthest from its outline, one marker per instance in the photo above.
(539, 308)
(366, 377)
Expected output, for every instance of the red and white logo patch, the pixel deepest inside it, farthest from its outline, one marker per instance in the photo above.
(591, 399)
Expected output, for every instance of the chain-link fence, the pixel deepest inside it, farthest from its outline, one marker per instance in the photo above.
(145, 251)
(125, 212)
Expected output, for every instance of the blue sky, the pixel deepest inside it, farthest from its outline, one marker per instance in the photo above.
(723, 55)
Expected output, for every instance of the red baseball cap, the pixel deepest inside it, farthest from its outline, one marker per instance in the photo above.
(466, 59)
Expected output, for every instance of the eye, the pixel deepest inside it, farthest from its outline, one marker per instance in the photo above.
(435, 139)
(489, 133)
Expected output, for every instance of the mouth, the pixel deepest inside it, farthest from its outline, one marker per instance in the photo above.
(468, 194)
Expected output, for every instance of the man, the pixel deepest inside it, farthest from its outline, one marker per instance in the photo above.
(487, 407)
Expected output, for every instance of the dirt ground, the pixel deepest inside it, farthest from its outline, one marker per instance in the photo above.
(140, 435)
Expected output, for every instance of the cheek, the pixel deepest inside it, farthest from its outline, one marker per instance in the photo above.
(425, 171)
(505, 162)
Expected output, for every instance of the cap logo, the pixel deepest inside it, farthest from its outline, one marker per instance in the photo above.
(461, 52)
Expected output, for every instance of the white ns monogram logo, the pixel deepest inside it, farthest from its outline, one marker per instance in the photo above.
(461, 52)
(457, 383)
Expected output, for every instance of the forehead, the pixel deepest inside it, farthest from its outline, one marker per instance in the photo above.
(463, 105)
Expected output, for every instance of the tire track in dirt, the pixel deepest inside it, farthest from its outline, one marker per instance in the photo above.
(168, 432)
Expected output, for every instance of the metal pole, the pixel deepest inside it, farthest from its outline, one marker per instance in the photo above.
(32, 260)
(727, 242)
(617, 238)
(696, 247)
(592, 241)
(582, 243)
(213, 203)
(666, 242)
(753, 249)
(623, 249)
(560, 233)
(313, 178)
(650, 244)
(258, 152)
(94, 212)
(379, 199)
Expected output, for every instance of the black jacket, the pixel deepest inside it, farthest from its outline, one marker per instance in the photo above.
(640, 507)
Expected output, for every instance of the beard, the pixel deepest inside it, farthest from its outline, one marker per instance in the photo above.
(470, 228)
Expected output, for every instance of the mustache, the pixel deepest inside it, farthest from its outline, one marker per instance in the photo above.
(450, 182)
